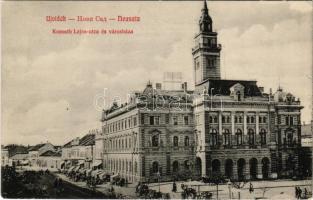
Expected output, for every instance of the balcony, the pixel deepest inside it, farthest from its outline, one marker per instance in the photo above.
(216, 47)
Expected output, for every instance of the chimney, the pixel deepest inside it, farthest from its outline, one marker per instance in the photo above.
(261, 89)
(158, 86)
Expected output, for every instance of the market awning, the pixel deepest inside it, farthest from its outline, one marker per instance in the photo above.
(103, 174)
(80, 162)
(96, 172)
(62, 164)
(24, 162)
(81, 170)
(97, 163)
(115, 176)
(71, 168)
(88, 172)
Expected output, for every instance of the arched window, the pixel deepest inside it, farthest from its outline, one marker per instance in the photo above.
(214, 137)
(238, 95)
(239, 119)
(187, 164)
(289, 137)
(175, 166)
(227, 139)
(239, 137)
(252, 119)
(215, 119)
(251, 136)
(228, 119)
(263, 136)
(155, 167)
(155, 140)
(186, 141)
(248, 119)
(264, 120)
(175, 141)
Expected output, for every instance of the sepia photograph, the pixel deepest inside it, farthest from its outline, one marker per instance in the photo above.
(156, 99)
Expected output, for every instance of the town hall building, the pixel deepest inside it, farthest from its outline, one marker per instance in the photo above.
(227, 127)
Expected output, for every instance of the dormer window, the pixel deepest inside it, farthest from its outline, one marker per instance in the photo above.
(237, 92)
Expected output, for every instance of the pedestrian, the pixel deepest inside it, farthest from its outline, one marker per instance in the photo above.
(300, 193)
(296, 192)
(251, 188)
(174, 187)
(56, 183)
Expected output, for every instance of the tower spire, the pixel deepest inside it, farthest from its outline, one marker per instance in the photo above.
(205, 21)
(205, 7)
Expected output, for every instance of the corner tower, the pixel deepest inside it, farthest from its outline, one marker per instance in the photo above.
(206, 52)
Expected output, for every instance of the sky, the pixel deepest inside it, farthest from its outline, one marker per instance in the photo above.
(50, 82)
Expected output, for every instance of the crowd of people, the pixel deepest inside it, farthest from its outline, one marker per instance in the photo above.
(301, 194)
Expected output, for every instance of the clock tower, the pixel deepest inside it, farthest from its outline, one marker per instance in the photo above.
(206, 52)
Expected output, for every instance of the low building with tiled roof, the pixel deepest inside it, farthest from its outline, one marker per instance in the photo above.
(50, 160)
(35, 151)
(20, 159)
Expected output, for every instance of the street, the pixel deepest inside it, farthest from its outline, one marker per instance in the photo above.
(39, 184)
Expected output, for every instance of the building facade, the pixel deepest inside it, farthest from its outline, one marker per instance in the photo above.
(226, 127)
(5, 157)
(79, 152)
(151, 137)
(35, 151)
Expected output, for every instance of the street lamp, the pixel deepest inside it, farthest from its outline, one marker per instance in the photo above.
(229, 189)
(159, 175)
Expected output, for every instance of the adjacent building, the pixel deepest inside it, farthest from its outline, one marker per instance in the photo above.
(79, 152)
(151, 136)
(5, 156)
(35, 151)
(50, 160)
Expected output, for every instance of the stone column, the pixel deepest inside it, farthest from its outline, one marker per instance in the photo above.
(233, 123)
(222, 167)
(235, 169)
(245, 123)
(247, 170)
(257, 123)
(220, 123)
(259, 170)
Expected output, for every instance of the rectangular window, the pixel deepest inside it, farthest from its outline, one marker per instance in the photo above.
(287, 120)
(135, 121)
(157, 120)
(151, 120)
(197, 65)
(291, 120)
(279, 119)
(175, 121)
(167, 118)
(186, 120)
(142, 119)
